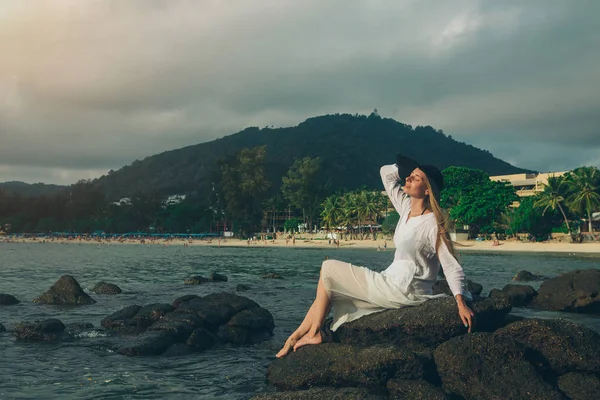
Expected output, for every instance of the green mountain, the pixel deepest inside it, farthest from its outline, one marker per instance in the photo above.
(26, 189)
(352, 147)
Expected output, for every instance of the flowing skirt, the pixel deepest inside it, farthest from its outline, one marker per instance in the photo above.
(357, 291)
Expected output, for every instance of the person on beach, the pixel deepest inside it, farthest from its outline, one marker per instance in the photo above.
(422, 245)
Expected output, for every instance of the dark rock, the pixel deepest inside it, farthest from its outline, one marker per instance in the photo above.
(8, 300)
(121, 318)
(564, 345)
(239, 303)
(2, 328)
(487, 366)
(180, 300)
(65, 291)
(106, 288)
(272, 276)
(414, 390)
(79, 326)
(151, 313)
(254, 319)
(213, 313)
(429, 324)
(576, 291)
(201, 339)
(580, 386)
(41, 331)
(178, 350)
(516, 295)
(185, 318)
(215, 277)
(526, 276)
(195, 280)
(334, 364)
(322, 394)
(441, 286)
(181, 330)
(149, 344)
(242, 288)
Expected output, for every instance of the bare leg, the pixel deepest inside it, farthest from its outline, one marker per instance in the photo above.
(314, 318)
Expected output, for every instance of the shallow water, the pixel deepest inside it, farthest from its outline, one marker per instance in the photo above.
(87, 369)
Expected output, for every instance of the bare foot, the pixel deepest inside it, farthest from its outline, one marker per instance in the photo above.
(309, 338)
(287, 347)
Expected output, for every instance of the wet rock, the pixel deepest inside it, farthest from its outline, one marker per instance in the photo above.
(79, 326)
(322, 394)
(487, 366)
(414, 390)
(526, 276)
(580, 386)
(185, 318)
(121, 318)
(242, 288)
(41, 331)
(272, 276)
(149, 344)
(151, 313)
(334, 364)
(516, 295)
(178, 350)
(195, 280)
(65, 291)
(429, 324)
(180, 300)
(239, 303)
(2, 328)
(248, 326)
(213, 314)
(565, 346)
(201, 339)
(181, 330)
(8, 300)
(215, 277)
(576, 291)
(106, 288)
(441, 286)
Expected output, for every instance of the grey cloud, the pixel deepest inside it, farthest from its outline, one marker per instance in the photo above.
(91, 86)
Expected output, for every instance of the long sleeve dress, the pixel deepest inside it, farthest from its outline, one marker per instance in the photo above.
(357, 291)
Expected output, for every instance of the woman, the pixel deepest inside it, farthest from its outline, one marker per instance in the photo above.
(422, 244)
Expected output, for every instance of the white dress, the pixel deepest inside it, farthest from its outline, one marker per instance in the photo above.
(357, 291)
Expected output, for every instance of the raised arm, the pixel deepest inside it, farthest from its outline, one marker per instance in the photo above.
(391, 183)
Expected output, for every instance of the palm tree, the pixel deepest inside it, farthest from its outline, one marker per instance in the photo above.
(553, 196)
(332, 212)
(349, 216)
(584, 188)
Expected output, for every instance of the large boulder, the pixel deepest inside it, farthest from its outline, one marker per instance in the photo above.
(180, 300)
(487, 366)
(322, 394)
(41, 331)
(248, 326)
(65, 291)
(580, 386)
(201, 339)
(526, 276)
(430, 323)
(516, 295)
(149, 344)
(216, 277)
(414, 390)
(565, 346)
(121, 318)
(106, 288)
(576, 291)
(151, 313)
(8, 300)
(339, 365)
(441, 286)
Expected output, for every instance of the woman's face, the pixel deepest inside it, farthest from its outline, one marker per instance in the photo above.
(415, 185)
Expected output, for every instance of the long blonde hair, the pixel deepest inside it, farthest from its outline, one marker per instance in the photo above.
(431, 202)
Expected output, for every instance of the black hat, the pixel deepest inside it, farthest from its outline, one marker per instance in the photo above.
(407, 165)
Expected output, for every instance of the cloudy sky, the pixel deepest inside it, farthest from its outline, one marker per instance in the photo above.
(88, 86)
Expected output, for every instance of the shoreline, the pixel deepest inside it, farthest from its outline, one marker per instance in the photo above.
(306, 242)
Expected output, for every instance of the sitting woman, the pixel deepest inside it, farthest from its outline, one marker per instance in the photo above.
(422, 244)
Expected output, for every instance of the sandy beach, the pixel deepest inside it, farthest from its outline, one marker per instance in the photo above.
(316, 242)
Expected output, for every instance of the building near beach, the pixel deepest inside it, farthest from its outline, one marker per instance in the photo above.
(528, 184)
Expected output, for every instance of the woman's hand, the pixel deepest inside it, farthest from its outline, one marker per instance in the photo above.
(466, 314)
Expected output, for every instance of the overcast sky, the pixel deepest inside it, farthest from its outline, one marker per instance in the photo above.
(88, 86)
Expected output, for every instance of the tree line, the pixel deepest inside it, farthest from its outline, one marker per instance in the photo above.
(243, 199)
